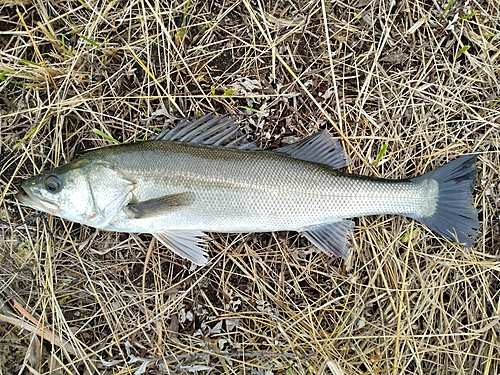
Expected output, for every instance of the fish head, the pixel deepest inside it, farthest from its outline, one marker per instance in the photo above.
(82, 191)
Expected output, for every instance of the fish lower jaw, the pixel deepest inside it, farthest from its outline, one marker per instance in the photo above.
(38, 204)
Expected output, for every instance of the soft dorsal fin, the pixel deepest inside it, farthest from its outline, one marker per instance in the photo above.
(208, 130)
(318, 148)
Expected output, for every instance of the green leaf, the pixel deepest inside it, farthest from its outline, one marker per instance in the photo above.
(155, 129)
(229, 92)
(63, 46)
(381, 153)
(407, 236)
(205, 26)
(29, 134)
(89, 41)
(462, 50)
(470, 15)
(106, 136)
(181, 32)
(212, 90)
(186, 7)
(494, 103)
(28, 62)
(447, 8)
(4, 77)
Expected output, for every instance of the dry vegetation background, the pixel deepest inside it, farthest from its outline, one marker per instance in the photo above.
(420, 76)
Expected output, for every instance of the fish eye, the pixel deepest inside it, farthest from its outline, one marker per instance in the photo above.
(52, 183)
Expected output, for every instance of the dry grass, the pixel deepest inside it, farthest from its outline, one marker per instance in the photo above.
(410, 74)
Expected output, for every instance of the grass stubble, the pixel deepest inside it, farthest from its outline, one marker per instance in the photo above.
(419, 78)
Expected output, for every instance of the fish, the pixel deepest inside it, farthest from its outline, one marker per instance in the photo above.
(205, 176)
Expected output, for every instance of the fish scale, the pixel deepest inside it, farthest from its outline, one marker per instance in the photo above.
(250, 190)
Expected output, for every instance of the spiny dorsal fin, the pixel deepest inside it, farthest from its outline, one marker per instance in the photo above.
(208, 130)
(318, 148)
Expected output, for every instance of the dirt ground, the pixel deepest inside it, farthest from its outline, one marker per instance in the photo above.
(405, 85)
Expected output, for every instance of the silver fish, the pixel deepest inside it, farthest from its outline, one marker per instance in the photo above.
(202, 177)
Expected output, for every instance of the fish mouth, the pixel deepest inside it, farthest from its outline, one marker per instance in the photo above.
(37, 203)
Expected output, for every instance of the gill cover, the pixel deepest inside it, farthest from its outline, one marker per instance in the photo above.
(83, 191)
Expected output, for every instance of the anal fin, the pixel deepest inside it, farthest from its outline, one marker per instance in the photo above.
(331, 238)
(187, 244)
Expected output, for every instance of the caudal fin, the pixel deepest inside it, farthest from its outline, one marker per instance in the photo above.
(455, 216)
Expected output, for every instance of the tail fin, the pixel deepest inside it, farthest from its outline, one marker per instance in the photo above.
(455, 216)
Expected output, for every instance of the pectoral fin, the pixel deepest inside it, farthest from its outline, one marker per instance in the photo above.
(159, 206)
(331, 238)
(187, 244)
